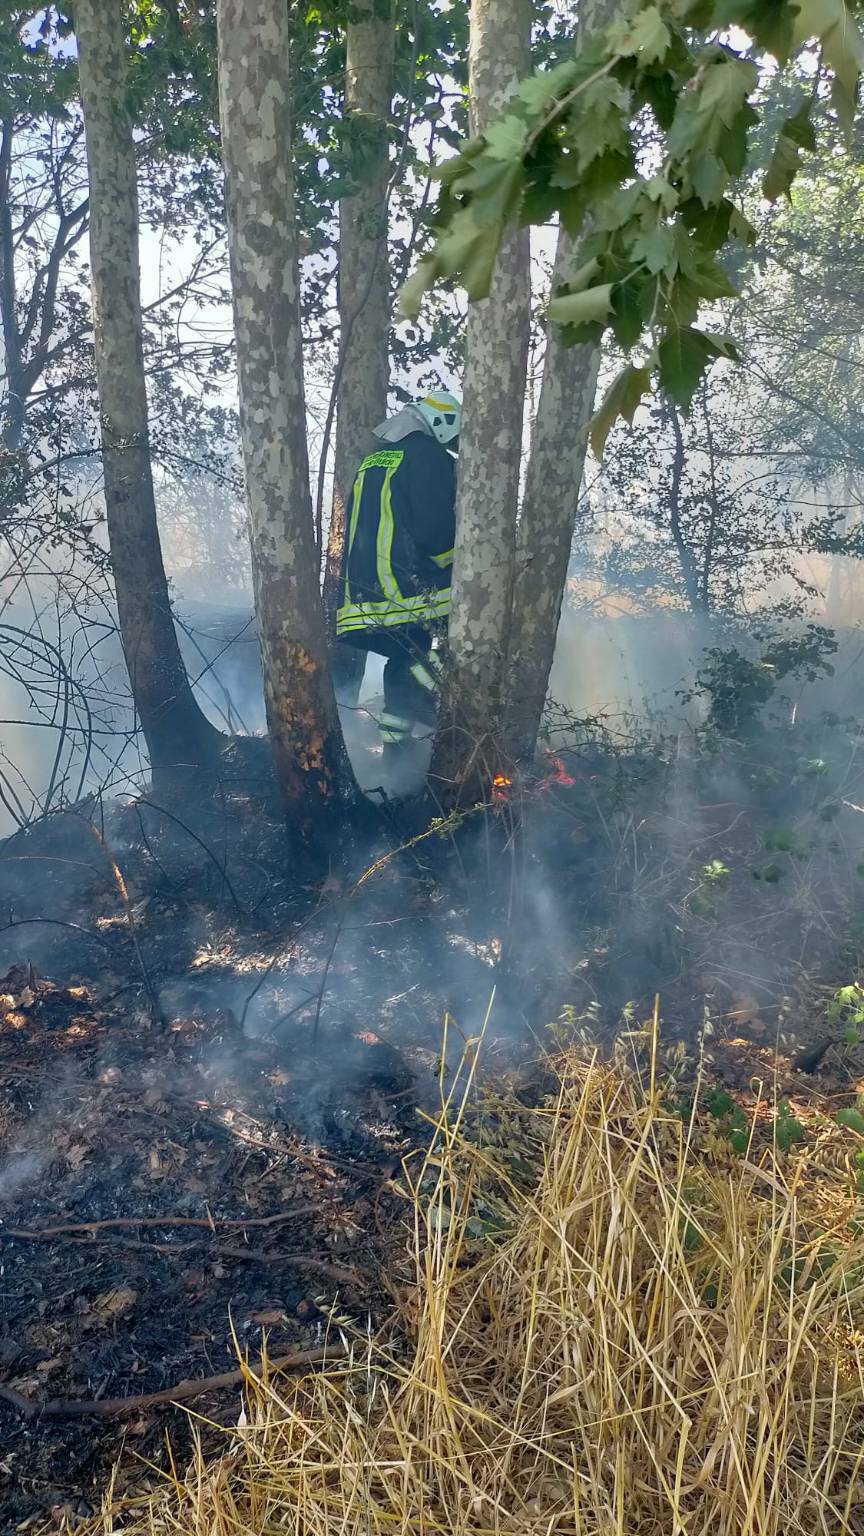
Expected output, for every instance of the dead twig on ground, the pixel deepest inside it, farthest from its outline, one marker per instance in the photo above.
(340, 1274)
(211, 1223)
(106, 1408)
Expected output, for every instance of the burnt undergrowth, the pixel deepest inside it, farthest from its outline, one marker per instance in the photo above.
(213, 1059)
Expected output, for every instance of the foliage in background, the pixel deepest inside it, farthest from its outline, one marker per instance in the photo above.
(570, 146)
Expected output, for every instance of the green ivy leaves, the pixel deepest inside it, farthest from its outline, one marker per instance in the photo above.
(568, 145)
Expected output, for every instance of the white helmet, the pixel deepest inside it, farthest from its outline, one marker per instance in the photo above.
(443, 414)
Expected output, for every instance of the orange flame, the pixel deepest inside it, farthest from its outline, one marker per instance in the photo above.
(501, 787)
(557, 772)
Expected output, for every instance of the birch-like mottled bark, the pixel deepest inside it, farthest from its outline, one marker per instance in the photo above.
(553, 483)
(175, 730)
(364, 288)
(254, 101)
(467, 745)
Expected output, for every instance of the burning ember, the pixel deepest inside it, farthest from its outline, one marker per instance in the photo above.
(557, 773)
(501, 787)
(554, 772)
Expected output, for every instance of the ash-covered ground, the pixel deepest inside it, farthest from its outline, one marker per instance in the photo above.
(213, 1061)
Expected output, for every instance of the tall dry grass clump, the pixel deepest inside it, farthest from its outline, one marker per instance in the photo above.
(613, 1328)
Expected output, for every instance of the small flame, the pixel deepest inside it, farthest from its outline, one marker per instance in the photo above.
(557, 772)
(501, 787)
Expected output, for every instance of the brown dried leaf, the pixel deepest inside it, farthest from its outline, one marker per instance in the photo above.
(111, 1305)
(269, 1317)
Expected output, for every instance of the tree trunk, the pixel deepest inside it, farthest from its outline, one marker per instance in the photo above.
(364, 289)
(254, 101)
(176, 732)
(13, 413)
(552, 488)
(468, 744)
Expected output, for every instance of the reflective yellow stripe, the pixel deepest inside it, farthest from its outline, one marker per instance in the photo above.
(357, 616)
(445, 559)
(386, 529)
(389, 458)
(355, 515)
(424, 677)
(439, 405)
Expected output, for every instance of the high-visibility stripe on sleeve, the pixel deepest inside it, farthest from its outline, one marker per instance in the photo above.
(444, 560)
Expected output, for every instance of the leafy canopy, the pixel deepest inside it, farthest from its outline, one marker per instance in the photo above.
(569, 144)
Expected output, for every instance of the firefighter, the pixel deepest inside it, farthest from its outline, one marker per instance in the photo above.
(395, 588)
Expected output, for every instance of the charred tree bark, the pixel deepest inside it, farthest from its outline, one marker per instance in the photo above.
(364, 287)
(468, 744)
(254, 100)
(177, 733)
(553, 484)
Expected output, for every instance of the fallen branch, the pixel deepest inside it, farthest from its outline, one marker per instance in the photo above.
(42, 1234)
(108, 1407)
(338, 1273)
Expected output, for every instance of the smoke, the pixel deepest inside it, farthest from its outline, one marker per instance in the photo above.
(18, 1172)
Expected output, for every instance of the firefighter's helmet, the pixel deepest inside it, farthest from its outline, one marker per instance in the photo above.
(443, 413)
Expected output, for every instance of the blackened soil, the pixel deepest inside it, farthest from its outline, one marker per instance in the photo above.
(218, 1211)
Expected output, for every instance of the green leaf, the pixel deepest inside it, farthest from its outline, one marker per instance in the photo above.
(646, 36)
(572, 208)
(741, 228)
(782, 170)
(655, 248)
(852, 1119)
(415, 288)
(796, 134)
(583, 277)
(709, 177)
(842, 47)
(600, 122)
(628, 320)
(661, 191)
(506, 138)
(621, 400)
(709, 226)
(548, 85)
(684, 356)
(713, 102)
(787, 1130)
(706, 274)
(732, 145)
(799, 128)
(771, 23)
(592, 304)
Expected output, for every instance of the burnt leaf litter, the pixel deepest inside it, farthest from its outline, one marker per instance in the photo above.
(212, 1070)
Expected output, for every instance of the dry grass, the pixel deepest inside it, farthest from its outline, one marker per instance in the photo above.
(659, 1339)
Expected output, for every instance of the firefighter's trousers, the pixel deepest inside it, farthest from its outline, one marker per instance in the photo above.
(411, 682)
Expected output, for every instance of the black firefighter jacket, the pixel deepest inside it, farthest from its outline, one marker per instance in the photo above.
(399, 541)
